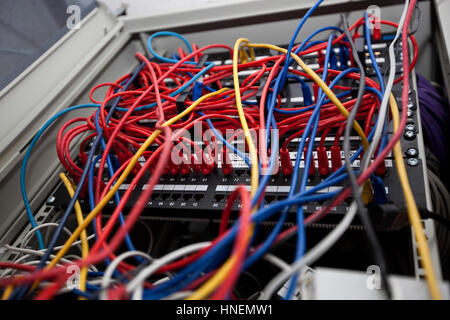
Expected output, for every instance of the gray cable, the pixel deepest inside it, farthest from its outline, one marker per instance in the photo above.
(362, 211)
(311, 256)
(326, 243)
(384, 103)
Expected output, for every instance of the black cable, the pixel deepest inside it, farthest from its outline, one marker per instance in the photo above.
(438, 218)
(362, 211)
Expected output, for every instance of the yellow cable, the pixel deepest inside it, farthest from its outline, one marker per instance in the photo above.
(413, 212)
(8, 290)
(209, 286)
(206, 289)
(322, 84)
(221, 274)
(83, 235)
(248, 137)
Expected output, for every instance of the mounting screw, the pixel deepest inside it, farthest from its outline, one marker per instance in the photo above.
(409, 135)
(410, 127)
(412, 162)
(51, 200)
(410, 113)
(412, 152)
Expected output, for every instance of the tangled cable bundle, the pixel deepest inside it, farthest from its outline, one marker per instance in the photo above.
(135, 127)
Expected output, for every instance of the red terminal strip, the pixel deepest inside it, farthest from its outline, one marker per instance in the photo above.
(207, 169)
(376, 29)
(227, 168)
(322, 160)
(316, 91)
(197, 167)
(336, 159)
(173, 167)
(381, 169)
(286, 163)
(321, 58)
(185, 168)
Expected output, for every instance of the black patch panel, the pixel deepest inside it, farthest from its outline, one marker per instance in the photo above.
(198, 196)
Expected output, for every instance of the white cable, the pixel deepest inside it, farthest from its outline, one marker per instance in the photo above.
(73, 257)
(113, 265)
(160, 281)
(135, 285)
(32, 252)
(181, 295)
(14, 271)
(312, 255)
(40, 253)
(32, 232)
(273, 259)
(92, 282)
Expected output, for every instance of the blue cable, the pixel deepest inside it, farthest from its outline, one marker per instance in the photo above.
(92, 204)
(218, 248)
(313, 120)
(111, 172)
(84, 174)
(18, 293)
(176, 92)
(371, 54)
(378, 74)
(26, 159)
(197, 267)
(302, 110)
(172, 34)
(282, 76)
(312, 35)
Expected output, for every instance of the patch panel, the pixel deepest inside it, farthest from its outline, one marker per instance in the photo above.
(204, 196)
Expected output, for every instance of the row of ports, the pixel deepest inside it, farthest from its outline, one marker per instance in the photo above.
(177, 196)
(219, 197)
(196, 197)
(267, 199)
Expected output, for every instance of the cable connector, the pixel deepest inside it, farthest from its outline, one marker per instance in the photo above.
(196, 167)
(185, 169)
(307, 98)
(320, 58)
(381, 169)
(343, 57)
(388, 217)
(322, 160)
(286, 163)
(333, 60)
(173, 168)
(207, 169)
(336, 159)
(379, 190)
(367, 193)
(227, 168)
(316, 91)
